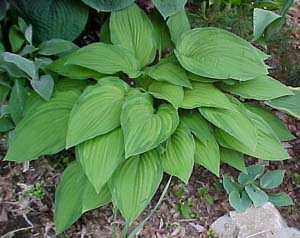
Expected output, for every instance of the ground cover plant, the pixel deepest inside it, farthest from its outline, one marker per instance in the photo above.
(155, 98)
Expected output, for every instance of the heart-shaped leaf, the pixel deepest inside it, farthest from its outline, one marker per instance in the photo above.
(258, 196)
(108, 6)
(43, 86)
(144, 127)
(239, 202)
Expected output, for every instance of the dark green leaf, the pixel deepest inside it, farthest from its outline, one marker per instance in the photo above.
(108, 6)
(5, 124)
(16, 39)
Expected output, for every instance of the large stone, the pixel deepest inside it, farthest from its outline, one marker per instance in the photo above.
(287, 233)
(225, 227)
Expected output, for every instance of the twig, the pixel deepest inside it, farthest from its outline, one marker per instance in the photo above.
(11, 233)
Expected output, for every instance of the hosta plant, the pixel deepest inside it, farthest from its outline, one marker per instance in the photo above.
(150, 107)
(247, 190)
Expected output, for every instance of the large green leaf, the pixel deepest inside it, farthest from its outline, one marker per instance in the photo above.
(106, 59)
(208, 155)
(99, 157)
(169, 71)
(233, 158)
(261, 88)
(43, 130)
(288, 104)
(169, 7)
(97, 111)
(169, 92)
(62, 19)
(178, 159)
(135, 182)
(132, 29)
(108, 6)
(273, 121)
(216, 53)
(145, 128)
(205, 95)
(178, 24)
(75, 195)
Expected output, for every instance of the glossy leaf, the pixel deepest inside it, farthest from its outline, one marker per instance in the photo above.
(169, 7)
(135, 182)
(178, 159)
(56, 47)
(97, 111)
(108, 6)
(43, 86)
(145, 128)
(253, 173)
(216, 53)
(75, 195)
(233, 158)
(178, 25)
(272, 179)
(257, 196)
(280, 199)
(43, 130)
(240, 202)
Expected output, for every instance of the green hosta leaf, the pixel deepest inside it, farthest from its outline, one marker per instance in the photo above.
(75, 195)
(108, 6)
(261, 88)
(261, 20)
(169, 92)
(101, 156)
(143, 127)
(56, 47)
(230, 185)
(135, 182)
(178, 159)
(65, 84)
(268, 146)
(132, 29)
(16, 38)
(43, 130)
(272, 120)
(208, 155)
(205, 95)
(106, 59)
(17, 101)
(240, 202)
(6, 124)
(253, 173)
(105, 32)
(258, 196)
(281, 199)
(272, 179)
(233, 158)
(288, 104)
(97, 111)
(178, 25)
(198, 125)
(216, 53)
(72, 71)
(197, 78)
(169, 71)
(169, 7)
(62, 19)
(43, 86)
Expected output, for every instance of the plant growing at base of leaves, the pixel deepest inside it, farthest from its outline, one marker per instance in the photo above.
(177, 114)
(249, 191)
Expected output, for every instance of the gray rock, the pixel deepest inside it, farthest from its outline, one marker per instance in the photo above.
(225, 227)
(287, 233)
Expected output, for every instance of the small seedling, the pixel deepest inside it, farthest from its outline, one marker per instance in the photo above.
(296, 180)
(183, 206)
(205, 196)
(37, 190)
(249, 191)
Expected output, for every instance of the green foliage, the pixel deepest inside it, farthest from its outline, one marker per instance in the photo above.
(248, 190)
(134, 110)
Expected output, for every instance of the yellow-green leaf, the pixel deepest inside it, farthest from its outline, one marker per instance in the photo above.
(233, 158)
(178, 24)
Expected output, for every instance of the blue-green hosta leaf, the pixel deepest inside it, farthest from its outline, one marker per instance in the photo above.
(132, 29)
(288, 104)
(230, 185)
(56, 47)
(61, 19)
(75, 195)
(106, 59)
(257, 196)
(208, 155)
(169, 7)
(59, 66)
(272, 179)
(233, 158)
(280, 199)
(99, 157)
(198, 125)
(273, 121)
(145, 128)
(268, 145)
(216, 53)
(205, 95)
(43, 131)
(169, 92)
(169, 71)
(253, 173)
(261, 88)
(108, 6)
(43, 86)
(239, 201)
(97, 111)
(178, 24)
(135, 182)
(178, 159)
